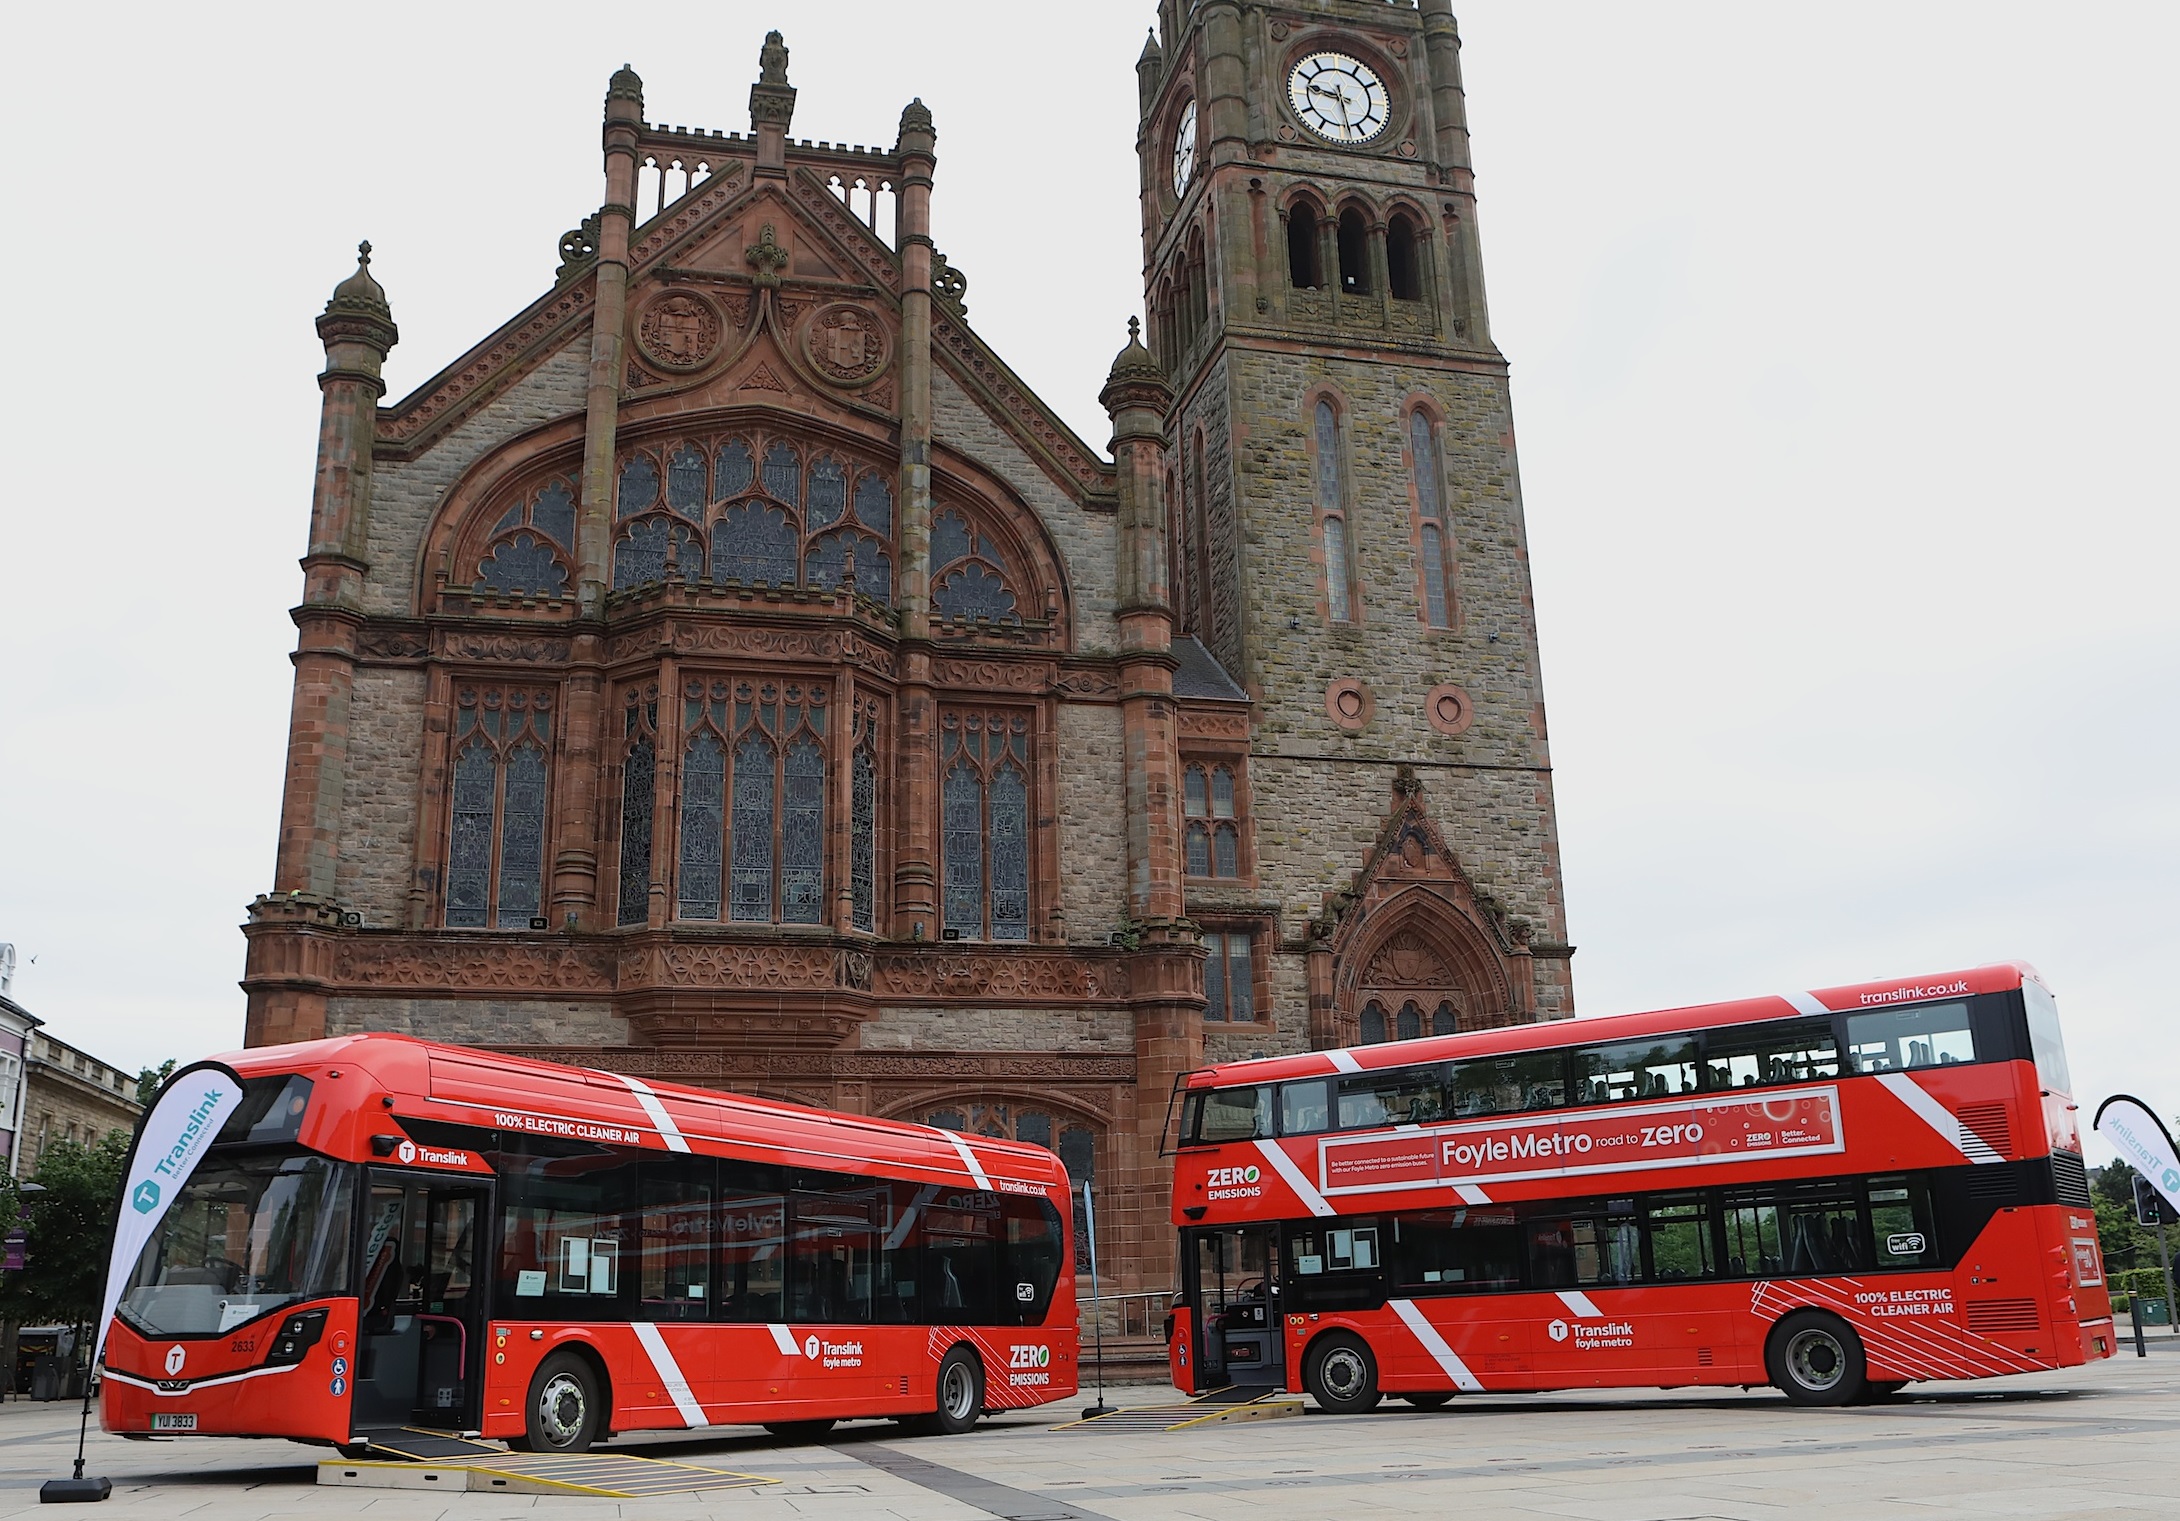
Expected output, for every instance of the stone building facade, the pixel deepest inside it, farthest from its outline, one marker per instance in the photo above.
(70, 1095)
(729, 671)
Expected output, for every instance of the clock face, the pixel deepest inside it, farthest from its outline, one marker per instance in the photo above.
(1184, 150)
(1339, 98)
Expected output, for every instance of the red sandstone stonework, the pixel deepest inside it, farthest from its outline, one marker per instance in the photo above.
(730, 671)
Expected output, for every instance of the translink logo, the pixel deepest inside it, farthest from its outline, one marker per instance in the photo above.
(146, 1198)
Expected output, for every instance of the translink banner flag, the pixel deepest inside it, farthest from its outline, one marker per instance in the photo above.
(2142, 1142)
(172, 1139)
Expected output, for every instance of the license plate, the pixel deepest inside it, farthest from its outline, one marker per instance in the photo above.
(174, 1423)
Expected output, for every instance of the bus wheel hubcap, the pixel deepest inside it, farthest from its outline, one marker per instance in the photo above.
(957, 1391)
(1817, 1359)
(560, 1410)
(1343, 1374)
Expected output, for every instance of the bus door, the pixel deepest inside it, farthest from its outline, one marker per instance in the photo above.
(1232, 1286)
(421, 1333)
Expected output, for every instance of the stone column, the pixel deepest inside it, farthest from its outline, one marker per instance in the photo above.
(916, 801)
(1463, 278)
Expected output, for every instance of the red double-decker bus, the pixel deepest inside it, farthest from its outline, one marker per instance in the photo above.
(390, 1233)
(1837, 1193)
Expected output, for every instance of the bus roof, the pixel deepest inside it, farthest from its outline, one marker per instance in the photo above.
(2000, 977)
(434, 1077)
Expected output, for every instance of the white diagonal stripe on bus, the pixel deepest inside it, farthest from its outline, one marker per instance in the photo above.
(1581, 1304)
(1805, 1003)
(1939, 1118)
(669, 1372)
(668, 1131)
(784, 1339)
(1469, 1193)
(1433, 1343)
(968, 1160)
(1303, 1188)
(1343, 1061)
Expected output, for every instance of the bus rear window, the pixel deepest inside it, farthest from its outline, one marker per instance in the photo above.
(1231, 1114)
(2043, 1011)
(1924, 1035)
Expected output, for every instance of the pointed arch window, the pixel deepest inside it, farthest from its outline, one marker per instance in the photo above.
(532, 546)
(1432, 539)
(1354, 249)
(1305, 270)
(1332, 515)
(1445, 1021)
(753, 802)
(1211, 809)
(984, 761)
(1373, 1023)
(1410, 1021)
(639, 786)
(863, 828)
(1403, 258)
(969, 578)
(497, 822)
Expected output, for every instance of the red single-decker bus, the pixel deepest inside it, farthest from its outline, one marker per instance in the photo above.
(1837, 1193)
(390, 1233)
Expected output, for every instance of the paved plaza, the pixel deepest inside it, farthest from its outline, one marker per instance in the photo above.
(2101, 1441)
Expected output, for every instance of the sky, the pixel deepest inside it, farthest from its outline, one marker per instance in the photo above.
(1840, 342)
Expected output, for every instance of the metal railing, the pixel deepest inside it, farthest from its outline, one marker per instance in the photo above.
(1142, 1313)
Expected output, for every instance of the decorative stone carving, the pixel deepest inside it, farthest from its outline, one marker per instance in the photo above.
(679, 331)
(767, 260)
(1089, 682)
(991, 675)
(1407, 961)
(507, 647)
(578, 249)
(380, 643)
(846, 343)
(1350, 704)
(950, 285)
(998, 976)
(1449, 709)
(763, 379)
(1214, 723)
(487, 965)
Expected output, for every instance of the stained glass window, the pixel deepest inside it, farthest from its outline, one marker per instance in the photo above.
(553, 514)
(783, 474)
(863, 840)
(755, 545)
(522, 838)
(639, 775)
(1215, 977)
(1079, 1155)
(1241, 987)
(639, 485)
(469, 861)
(525, 566)
(1010, 854)
(950, 539)
(495, 874)
(735, 469)
(802, 836)
(1222, 792)
(830, 556)
(753, 795)
(1336, 572)
(1445, 1022)
(974, 591)
(1199, 851)
(703, 821)
(1225, 852)
(828, 492)
(1373, 1023)
(685, 484)
(639, 558)
(874, 503)
(1434, 576)
(1410, 1023)
(962, 845)
(1196, 803)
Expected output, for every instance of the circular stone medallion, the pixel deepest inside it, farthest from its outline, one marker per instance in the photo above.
(1449, 709)
(679, 331)
(1349, 704)
(847, 343)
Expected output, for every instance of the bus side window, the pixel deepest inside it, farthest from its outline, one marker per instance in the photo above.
(1305, 1108)
(1400, 1096)
(752, 1248)
(1901, 1220)
(674, 1241)
(1035, 1248)
(1677, 1229)
(1508, 1084)
(1781, 1051)
(1922, 1035)
(1752, 1237)
(1234, 1114)
(1593, 1242)
(1635, 1070)
(1455, 1251)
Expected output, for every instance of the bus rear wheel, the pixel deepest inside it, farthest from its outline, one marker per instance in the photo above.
(565, 1411)
(1432, 1401)
(960, 1396)
(1815, 1358)
(1341, 1374)
(799, 1431)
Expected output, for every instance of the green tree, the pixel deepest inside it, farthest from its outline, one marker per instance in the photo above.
(149, 1080)
(70, 1218)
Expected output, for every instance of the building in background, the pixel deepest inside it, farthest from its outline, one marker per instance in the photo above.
(70, 1095)
(728, 670)
(16, 1025)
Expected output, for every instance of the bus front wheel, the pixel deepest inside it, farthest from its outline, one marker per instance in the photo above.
(1815, 1358)
(565, 1411)
(960, 1396)
(1341, 1374)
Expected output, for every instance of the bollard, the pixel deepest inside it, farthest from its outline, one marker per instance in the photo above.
(2142, 1348)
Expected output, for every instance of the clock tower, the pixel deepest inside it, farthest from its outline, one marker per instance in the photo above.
(1343, 535)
